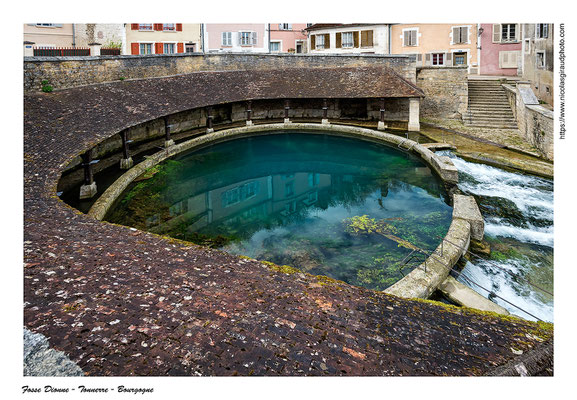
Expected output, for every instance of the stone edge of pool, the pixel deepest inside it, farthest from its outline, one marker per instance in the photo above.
(431, 275)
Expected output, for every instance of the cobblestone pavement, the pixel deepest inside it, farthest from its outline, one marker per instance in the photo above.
(118, 301)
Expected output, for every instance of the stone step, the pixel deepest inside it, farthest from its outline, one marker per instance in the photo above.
(483, 113)
(490, 102)
(491, 122)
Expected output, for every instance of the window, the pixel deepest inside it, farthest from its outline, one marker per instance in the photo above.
(47, 25)
(320, 41)
(460, 58)
(347, 39)
(289, 189)
(240, 193)
(542, 31)
(527, 46)
(285, 27)
(460, 35)
(247, 38)
(508, 32)
(540, 58)
(168, 48)
(438, 58)
(366, 38)
(169, 27)
(145, 48)
(226, 39)
(313, 179)
(410, 37)
(144, 27)
(508, 59)
(189, 48)
(274, 47)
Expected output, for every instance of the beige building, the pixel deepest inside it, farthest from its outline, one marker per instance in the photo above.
(49, 35)
(108, 35)
(163, 38)
(438, 44)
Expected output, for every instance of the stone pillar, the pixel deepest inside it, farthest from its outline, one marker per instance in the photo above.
(209, 117)
(286, 111)
(249, 113)
(126, 161)
(94, 49)
(88, 189)
(414, 124)
(167, 140)
(325, 119)
(28, 49)
(381, 125)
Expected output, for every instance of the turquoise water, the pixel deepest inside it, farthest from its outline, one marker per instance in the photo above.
(295, 199)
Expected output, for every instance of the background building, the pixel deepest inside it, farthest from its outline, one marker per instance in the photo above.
(108, 35)
(438, 44)
(537, 62)
(163, 38)
(500, 47)
(50, 35)
(349, 38)
(252, 38)
(288, 38)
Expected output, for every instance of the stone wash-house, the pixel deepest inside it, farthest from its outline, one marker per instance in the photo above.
(537, 61)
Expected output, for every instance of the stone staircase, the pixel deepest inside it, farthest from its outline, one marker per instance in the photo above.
(488, 105)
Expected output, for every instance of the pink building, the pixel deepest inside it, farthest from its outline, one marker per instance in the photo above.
(500, 46)
(253, 38)
(288, 38)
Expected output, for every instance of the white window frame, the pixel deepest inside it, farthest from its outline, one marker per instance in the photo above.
(537, 31)
(514, 40)
(146, 27)
(226, 39)
(167, 29)
(544, 65)
(416, 37)
(285, 27)
(174, 47)
(279, 42)
(468, 41)
(349, 45)
(502, 64)
(251, 38)
(443, 54)
(140, 44)
(320, 44)
(527, 46)
(302, 42)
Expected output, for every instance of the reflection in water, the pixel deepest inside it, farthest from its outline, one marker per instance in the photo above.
(286, 199)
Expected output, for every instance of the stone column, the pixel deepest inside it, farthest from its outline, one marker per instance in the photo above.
(94, 49)
(126, 161)
(249, 113)
(414, 124)
(286, 111)
(88, 189)
(325, 119)
(209, 117)
(381, 125)
(167, 140)
(28, 49)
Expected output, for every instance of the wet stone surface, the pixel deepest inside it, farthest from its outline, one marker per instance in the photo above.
(118, 301)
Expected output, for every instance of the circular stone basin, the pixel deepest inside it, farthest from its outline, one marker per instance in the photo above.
(345, 208)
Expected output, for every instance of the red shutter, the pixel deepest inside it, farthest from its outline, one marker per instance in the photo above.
(134, 27)
(135, 48)
(179, 27)
(157, 27)
(180, 47)
(158, 48)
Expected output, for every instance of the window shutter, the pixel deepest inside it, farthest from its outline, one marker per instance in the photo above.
(496, 33)
(419, 57)
(428, 59)
(339, 42)
(513, 59)
(456, 38)
(465, 34)
(254, 38)
(134, 27)
(414, 38)
(135, 48)
(517, 32)
(449, 58)
(280, 27)
(223, 38)
(356, 39)
(180, 47)
(405, 38)
(327, 41)
(157, 27)
(369, 39)
(290, 26)
(158, 48)
(179, 27)
(313, 42)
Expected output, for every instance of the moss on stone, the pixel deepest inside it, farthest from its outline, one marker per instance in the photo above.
(285, 269)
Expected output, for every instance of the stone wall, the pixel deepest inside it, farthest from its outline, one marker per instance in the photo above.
(67, 72)
(535, 122)
(446, 91)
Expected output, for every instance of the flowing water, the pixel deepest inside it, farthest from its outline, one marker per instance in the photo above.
(518, 214)
(298, 199)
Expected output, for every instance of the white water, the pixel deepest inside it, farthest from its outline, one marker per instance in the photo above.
(533, 234)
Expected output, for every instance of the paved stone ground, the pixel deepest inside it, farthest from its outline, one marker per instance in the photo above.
(123, 302)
